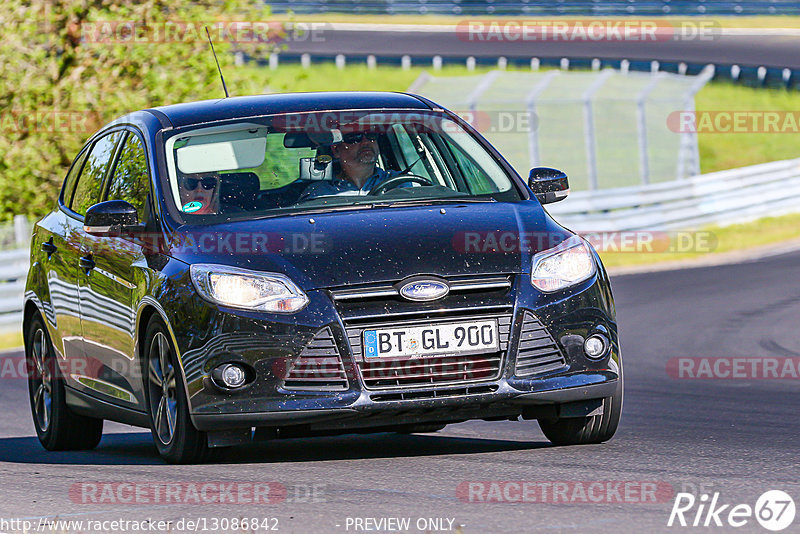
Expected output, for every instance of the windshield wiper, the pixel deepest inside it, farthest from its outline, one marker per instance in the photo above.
(311, 211)
(431, 201)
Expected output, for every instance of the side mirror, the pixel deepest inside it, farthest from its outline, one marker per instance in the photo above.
(549, 185)
(111, 218)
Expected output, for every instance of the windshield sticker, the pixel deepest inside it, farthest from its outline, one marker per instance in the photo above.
(191, 207)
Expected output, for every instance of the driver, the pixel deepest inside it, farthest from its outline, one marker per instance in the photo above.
(355, 167)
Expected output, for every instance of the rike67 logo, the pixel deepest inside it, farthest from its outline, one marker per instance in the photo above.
(774, 510)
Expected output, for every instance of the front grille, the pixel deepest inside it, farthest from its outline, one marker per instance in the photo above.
(538, 352)
(319, 367)
(434, 393)
(433, 370)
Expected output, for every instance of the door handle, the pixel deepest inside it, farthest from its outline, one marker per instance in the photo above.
(87, 263)
(49, 247)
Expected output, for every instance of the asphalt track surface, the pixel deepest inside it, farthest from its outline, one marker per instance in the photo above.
(776, 48)
(736, 437)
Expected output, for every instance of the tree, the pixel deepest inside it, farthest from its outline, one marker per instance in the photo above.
(69, 66)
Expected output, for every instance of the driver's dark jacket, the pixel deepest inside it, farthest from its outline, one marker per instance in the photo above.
(339, 186)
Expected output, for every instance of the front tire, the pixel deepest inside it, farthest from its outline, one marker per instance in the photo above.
(588, 430)
(175, 437)
(58, 428)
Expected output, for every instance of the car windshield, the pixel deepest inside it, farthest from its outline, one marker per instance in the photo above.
(329, 161)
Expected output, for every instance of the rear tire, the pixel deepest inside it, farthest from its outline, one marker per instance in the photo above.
(588, 430)
(175, 437)
(58, 428)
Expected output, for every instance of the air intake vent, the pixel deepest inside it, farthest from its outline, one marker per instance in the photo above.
(538, 352)
(434, 393)
(319, 367)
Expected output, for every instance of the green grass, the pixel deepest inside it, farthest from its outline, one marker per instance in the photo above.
(10, 340)
(354, 77)
(743, 236)
(720, 151)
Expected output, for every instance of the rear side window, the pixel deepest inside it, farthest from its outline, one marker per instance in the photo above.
(130, 181)
(72, 178)
(89, 188)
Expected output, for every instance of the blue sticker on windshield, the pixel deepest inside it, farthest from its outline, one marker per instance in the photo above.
(191, 207)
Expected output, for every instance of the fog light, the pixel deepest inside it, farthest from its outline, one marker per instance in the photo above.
(595, 346)
(229, 375)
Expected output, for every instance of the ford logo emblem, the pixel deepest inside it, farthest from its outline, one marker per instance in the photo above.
(422, 290)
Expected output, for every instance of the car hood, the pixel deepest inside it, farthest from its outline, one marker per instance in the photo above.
(334, 249)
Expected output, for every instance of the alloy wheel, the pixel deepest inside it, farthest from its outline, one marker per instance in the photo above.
(42, 381)
(163, 392)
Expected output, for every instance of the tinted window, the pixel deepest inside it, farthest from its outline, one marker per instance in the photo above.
(131, 181)
(325, 161)
(72, 178)
(90, 183)
(477, 178)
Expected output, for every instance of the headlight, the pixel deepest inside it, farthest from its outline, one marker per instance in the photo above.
(252, 290)
(567, 264)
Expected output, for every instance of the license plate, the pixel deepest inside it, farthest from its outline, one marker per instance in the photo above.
(431, 340)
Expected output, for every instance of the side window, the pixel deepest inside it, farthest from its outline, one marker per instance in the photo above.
(130, 181)
(89, 188)
(477, 180)
(419, 158)
(410, 154)
(72, 178)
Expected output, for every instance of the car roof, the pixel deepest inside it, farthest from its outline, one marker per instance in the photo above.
(248, 106)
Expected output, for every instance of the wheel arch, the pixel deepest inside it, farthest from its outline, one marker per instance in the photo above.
(30, 309)
(149, 308)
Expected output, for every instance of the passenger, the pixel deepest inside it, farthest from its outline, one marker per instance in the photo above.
(200, 194)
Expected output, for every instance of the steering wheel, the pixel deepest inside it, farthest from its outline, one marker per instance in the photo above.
(392, 183)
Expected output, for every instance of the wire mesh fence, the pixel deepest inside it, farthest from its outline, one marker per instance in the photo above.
(606, 128)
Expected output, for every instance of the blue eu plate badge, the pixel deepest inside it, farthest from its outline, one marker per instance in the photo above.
(370, 343)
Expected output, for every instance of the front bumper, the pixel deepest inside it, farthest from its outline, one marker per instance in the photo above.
(505, 402)
(269, 348)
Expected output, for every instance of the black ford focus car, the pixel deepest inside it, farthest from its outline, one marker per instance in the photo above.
(292, 265)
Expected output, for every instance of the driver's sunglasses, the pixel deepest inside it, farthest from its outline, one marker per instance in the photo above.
(353, 138)
(208, 183)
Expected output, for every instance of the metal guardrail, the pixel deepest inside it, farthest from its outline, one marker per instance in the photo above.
(724, 197)
(13, 272)
(748, 75)
(538, 7)
(14, 264)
